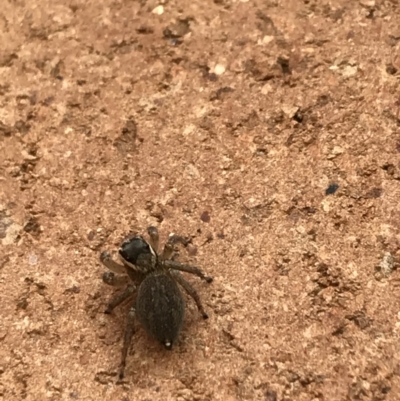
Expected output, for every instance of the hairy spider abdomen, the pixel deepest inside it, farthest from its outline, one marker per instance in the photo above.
(160, 307)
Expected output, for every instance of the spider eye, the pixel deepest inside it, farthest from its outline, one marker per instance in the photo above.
(133, 248)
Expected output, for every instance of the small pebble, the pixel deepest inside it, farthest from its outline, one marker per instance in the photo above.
(205, 217)
(32, 260)
(192, 250)
(387, 264)
(75, 289)
(219, 69)
(159, 10)
(331, 189)
(349, 71)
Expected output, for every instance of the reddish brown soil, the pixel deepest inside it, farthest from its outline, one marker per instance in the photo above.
(267, 131)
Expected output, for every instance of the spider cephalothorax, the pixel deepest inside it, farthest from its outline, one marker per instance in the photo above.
(138, 255)
(159, 305)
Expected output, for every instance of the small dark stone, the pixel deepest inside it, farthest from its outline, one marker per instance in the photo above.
(75, 289)
(22, 303)
(271, 395)
(298, 116)
(125, 143)
(32, 225)
(56, 70)
(130, 128)
(265, 24)
(391, 69)
(284, 64)
(41, 286)
(389, 168)
(331, 189)
(178, 29)
(360, 319)
(220, 93)
(205, 217)
(370, 14)
(323, 100)
(144, 30)
(374, 193)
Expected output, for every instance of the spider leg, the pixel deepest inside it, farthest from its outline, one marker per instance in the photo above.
(168, 248)
(129, 331)
(110, 278)
(118, 299)
(108, 262)
(154, 238)
(191, 291)
(171, 264)
(169, 245)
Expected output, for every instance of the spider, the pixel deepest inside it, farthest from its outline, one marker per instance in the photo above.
(159, 305)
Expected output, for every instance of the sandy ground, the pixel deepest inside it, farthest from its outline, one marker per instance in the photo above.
(266, 131)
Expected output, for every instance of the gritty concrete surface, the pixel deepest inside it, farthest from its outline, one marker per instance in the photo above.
(266, 131)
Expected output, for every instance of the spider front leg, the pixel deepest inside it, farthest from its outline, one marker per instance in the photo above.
(191, 291)
(154, 238)
(171, 264)
(107, 261)
(111, 279)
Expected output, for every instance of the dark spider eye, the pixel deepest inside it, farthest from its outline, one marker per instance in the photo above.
(133, 248)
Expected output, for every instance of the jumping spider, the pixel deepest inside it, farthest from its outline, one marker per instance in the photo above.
(159, 305)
